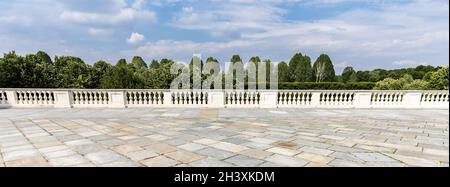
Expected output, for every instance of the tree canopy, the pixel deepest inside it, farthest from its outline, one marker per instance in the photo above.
(40, 71)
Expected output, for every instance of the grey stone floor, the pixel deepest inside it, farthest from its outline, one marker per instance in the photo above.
(223, 137)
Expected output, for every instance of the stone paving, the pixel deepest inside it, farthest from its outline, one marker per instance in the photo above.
(223, 137)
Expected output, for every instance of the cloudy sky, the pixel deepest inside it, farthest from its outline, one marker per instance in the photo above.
(365, 34)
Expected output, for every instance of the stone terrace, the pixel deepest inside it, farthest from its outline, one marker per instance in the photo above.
(223, 137)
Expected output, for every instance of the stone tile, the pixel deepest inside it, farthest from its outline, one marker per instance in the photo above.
(229, 147)
(244, 161)
(88, 148)
(215, 153)
(59, 153)
(184, 156)
(286, 161)
(314, 150)
(161, 148)
(124, 149)
(210, 162)
(68, 161)
(15, 155)
(141, 155)
(263, 140)
(376, 148)
(315, 158)
(402, 138)
(344, 163)
(159, 161)
(373, 157)
(256, 153)
(79, 142)
(36, 161)
(205, 141)
(317, 164)
(269, 164)
(18, 148)
(283, 151)
(440, 152)
(158, 137)
(103, 157)
(111, 142)
(121, 163)
(191, 146)
(176, 141)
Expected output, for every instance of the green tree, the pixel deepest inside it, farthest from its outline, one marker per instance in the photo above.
(255, 61)
(406, 82)
(349, 75)
(293, 63)
(10, 70)
(161, 77)
(283, 72)
(235, 58)
(121, 77)
(154, 64)
(38, 72)
(137, 63)
(100, 70)
(303, 71)
(323, 69)
(72, 72)
(439, 79)
(43, 56)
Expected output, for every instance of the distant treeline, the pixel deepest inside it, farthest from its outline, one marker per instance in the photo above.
(40, 71)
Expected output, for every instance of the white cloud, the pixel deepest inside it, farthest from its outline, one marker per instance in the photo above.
(135, 38)
(407, 62)
(164, 48)
(114, 12)
(408, 30)
(124, 15)
(99, 31)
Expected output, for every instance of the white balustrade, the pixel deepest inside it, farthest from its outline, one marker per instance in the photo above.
(90, 98)
(294, 99)
(188, 98)
(143, 98)
(337, 99)
(33, 98)
(3, 98)
(66, 98)
(242, 98)
(434, 99)
(387, 99)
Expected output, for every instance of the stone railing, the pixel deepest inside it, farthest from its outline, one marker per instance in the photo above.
(84, 98)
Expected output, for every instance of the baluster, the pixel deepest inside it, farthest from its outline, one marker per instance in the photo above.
(138, 98)
(29, 98)
(233, 99)
(48, 97)
(286, 98)
(37, 97)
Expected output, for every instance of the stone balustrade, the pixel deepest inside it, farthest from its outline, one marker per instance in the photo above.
(85, 98)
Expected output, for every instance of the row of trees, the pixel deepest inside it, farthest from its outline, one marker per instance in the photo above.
(40, 71)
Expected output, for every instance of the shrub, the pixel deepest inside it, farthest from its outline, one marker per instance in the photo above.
(325, 86)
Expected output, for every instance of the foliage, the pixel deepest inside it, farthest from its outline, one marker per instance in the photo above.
(439, 79)
(349, 75)
(405, 83)
(323, 69)
(326, 85)
(40, 71)
(303, 71)
(283, 72)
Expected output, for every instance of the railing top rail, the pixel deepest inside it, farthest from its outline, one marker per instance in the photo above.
(218, 90)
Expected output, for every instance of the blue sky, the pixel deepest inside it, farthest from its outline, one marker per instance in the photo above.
(365, 34)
